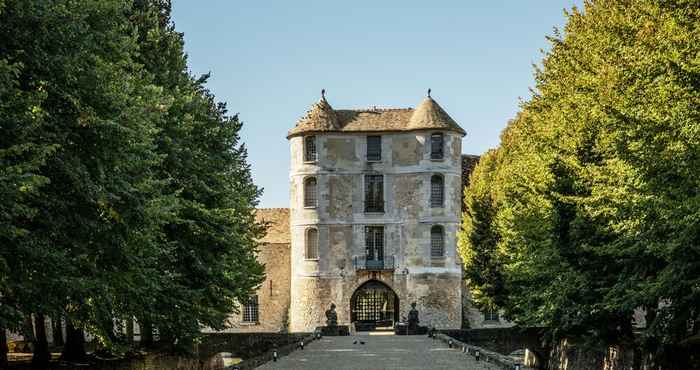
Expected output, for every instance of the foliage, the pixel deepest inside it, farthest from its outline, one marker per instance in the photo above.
(589, 208)
(124, 188)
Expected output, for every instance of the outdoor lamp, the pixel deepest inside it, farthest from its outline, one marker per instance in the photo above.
(274, 356)
(301, 345)
(477, 354)
(449, 343)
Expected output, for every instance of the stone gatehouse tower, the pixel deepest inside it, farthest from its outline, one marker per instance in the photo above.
(374, 212)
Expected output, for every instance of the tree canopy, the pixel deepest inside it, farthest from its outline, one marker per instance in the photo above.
(124, 186)
(589, 209)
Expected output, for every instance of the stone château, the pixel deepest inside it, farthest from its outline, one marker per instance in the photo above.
(375, 207)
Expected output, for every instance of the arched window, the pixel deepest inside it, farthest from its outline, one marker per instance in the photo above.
(311, 251)
(437, 191)
(437, 241)
(310, 154)
(310, 198)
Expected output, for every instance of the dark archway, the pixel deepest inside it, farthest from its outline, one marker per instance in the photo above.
(373, 305)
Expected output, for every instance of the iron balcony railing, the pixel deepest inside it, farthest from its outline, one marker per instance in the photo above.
(362, 263)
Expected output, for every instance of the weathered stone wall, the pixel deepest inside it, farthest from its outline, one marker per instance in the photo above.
(340, 218)
(273, 294)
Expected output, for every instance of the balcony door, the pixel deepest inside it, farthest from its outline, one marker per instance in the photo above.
(374, 246)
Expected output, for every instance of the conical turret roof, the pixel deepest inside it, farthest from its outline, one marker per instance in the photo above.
(321, 117)
(430, 115)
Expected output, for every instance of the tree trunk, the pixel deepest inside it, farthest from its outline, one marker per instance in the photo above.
(3, 348)
(130, 330)
(41, 356)
(57, 331)
(74, 349)
(28, 329)
(146, 333)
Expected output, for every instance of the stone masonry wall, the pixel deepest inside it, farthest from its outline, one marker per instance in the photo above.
(433, 283)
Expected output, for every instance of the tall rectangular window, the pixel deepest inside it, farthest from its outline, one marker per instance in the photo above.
(374, 243)
(374, 148)
(374, 193)
(310, 154)
(437, 146)
(251, 310)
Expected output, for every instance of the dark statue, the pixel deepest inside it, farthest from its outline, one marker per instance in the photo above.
(331, 316)
(413, 318)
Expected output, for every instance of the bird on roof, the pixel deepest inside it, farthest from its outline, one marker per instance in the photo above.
(428, 92)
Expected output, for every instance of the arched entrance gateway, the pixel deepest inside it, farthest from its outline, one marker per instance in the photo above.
(374, 305)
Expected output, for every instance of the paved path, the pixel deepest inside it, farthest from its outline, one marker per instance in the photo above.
(378, 353)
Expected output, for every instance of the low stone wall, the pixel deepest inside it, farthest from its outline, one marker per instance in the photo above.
(502, 361)
(246, 345)
(268, 355)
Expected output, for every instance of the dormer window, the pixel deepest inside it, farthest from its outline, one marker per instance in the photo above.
(310, 154)
(437, 146)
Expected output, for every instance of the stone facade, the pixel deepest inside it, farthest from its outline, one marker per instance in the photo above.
(273, 295)
(323, 255)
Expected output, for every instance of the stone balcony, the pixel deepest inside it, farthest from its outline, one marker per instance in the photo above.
(362, 263)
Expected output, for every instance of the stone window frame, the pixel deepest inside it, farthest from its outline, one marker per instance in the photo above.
(382, 199)
(307, 201)
(308, 255)
(310, 149)
(434, 201)
(378, 151)
(437, 155)
(437, 246)
(250, 314)
(491, 315)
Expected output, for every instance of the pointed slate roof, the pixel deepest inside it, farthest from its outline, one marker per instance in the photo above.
(323, 118)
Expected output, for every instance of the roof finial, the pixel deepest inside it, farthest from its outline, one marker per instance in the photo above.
(428, 92)
(323, 94)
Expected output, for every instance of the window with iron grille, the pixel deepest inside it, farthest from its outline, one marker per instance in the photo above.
(311, 251)
(437, 146)
(310, 192)
(491, 315)
(374, 243)
(437, 191)
(310, 149)
(251, 310)
(374, 193)
(437, 242)
(374, 148)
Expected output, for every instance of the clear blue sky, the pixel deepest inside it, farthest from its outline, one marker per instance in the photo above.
(270, 59)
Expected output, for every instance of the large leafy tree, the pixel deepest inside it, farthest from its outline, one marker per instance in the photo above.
(124, 187)
(211, 236)
(596, 181)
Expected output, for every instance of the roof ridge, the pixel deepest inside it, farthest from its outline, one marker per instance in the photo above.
(372, 109)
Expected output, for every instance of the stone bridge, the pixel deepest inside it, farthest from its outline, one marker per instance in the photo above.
(411, 352)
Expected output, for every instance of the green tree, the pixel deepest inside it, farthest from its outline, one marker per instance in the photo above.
(211, 237)
(597, 184)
